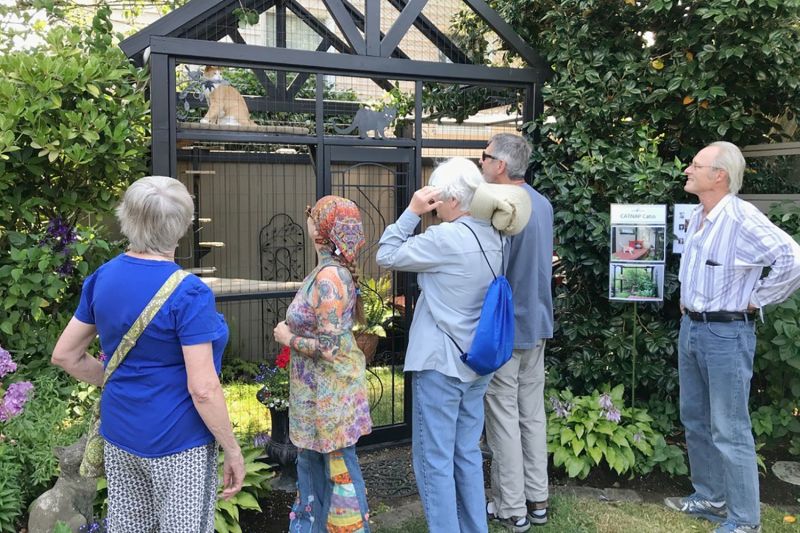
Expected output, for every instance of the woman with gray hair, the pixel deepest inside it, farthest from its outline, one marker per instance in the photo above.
(447, 394)
(162, 407)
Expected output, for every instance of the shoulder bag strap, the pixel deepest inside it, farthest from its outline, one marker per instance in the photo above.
(148, 313)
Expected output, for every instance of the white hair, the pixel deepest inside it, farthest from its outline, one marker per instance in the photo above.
(457, 178)
(154, 214)
(514, 150)
(730, 159)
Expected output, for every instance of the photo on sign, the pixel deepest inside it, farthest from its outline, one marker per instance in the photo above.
(636, 282)
(680, 223)
(637, 243)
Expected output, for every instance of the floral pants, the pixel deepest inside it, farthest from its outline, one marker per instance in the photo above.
(331, 496)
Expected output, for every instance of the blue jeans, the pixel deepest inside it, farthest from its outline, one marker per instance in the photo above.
(715, 365)
(447, 421)
(330, 492)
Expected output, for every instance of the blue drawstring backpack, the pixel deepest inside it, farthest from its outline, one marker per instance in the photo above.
(494, 337)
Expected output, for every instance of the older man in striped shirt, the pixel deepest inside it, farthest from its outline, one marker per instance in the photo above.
(728, 243)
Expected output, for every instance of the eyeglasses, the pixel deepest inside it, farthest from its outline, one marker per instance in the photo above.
(308, 211)
(697, 167)
(485, 156)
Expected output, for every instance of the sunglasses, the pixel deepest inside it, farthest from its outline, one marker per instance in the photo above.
(485, 156)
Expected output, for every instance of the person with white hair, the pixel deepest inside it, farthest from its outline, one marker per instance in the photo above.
(162, 409)
(447, 395)
(728, 243)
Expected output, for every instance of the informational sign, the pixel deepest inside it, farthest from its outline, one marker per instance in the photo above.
(638, 248)
(680, 224)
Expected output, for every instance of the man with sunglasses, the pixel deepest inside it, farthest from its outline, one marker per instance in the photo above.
(728, 243)
(515, 417)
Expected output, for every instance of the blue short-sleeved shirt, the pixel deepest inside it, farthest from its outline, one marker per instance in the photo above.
(146, 408)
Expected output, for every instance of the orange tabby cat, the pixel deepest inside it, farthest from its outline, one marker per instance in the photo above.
(226, 106)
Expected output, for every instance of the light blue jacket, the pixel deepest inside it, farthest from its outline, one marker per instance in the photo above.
(453, 277)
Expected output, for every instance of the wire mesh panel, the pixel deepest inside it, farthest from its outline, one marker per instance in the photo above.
(261, 101)
(245, 195)
(379, 181)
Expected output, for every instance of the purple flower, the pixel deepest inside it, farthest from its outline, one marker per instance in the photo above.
(613, 415)
(7, 366)
(605, 401)
(102, 357)
(261, 440)
(60, 234)
(637, 437)
(561, 409)
(65, 269)
(15, 399)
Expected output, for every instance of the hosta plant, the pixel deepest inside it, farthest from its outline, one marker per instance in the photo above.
(589, 431)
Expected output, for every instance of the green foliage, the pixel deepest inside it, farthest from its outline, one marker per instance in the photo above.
(62, 527)
(256, 485)
(621, 113)
(236, 369)
(376, 295)
(586, 431)
(73, 121)
(776, 385)
(11, 502)
(28, 465)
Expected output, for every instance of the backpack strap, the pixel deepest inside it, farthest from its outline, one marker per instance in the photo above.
(490, 268)
(502, 255)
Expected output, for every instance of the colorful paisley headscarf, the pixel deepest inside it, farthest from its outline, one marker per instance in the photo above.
(339, 221)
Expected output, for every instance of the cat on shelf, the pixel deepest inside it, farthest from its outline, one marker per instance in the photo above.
(226, 107)
(370, 120)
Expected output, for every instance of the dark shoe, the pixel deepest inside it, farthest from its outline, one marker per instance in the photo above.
(515, 524)
(695, 506)
(537, 512)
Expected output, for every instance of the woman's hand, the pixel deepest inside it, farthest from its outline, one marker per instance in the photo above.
(232, 473)
(282, 333)
(425, 200)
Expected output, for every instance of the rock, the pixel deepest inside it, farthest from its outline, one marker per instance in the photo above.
(788, 471)
(70, 500)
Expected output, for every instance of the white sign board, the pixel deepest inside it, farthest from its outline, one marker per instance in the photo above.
(637, 252)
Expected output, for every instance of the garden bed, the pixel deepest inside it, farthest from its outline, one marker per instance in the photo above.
(652, 488)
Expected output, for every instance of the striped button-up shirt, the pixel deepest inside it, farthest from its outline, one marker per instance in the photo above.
(724, 256)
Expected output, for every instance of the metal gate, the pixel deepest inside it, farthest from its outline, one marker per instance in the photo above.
(381, 181)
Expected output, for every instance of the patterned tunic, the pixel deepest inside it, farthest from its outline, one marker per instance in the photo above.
(328, 406)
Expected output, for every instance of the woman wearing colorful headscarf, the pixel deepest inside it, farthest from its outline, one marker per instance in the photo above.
(328, 406)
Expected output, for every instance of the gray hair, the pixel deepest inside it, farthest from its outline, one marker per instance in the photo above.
(514, 150)
(154, 214)
(731, 160)
(457, 178)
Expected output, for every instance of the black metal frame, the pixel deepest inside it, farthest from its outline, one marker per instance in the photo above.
(374, 55)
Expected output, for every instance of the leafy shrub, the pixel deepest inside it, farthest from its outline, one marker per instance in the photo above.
(73, 127)
(776, 368)
(256, 484)
(587, 431)
(28, 445)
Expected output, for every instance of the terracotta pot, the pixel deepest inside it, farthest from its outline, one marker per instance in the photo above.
(367, 343)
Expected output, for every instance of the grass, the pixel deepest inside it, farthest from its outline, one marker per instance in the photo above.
(572, 515)
(249, 417)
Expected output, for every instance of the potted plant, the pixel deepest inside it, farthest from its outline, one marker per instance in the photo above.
(378, 310)
(274, 394)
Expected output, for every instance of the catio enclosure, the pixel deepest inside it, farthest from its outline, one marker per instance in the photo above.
(355, 98)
